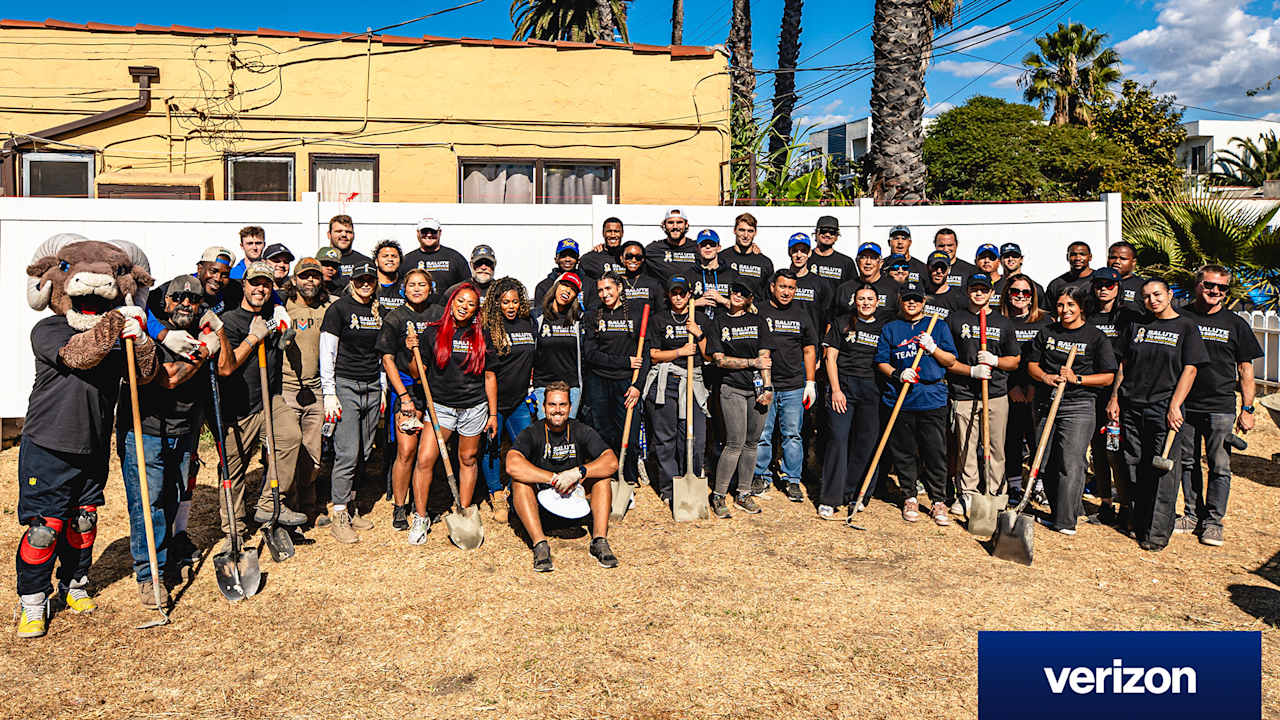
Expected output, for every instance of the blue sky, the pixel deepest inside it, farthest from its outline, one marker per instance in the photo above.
(1207, 52)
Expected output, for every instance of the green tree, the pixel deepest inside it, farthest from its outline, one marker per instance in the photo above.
(1072, 72)
(574, 20)
(1148, 129)
(1253, 164)
(989, 149)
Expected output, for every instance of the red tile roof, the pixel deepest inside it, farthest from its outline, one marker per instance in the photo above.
(675, 51)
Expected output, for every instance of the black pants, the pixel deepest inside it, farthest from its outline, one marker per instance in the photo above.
(53, 487)
(1155, 494)
(851, 438)
(918, 449)
(1064, 470)
(667, 430)
(607, 399)
(1019, 442)
(1108, 479)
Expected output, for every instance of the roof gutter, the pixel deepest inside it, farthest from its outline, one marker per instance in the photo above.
(144, 75)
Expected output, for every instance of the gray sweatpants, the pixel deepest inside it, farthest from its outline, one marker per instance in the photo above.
(353, 436)
(742, 427)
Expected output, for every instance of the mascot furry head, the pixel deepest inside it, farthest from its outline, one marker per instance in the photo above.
(83, 279)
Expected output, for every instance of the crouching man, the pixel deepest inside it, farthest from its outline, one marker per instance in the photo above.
(564, 454)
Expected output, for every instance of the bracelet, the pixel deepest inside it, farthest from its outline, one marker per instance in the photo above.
(1246, 408)
(493, 415)
(400, 395)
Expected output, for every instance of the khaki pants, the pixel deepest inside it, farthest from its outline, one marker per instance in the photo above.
(307, 410)
(968, 429)
(242, 442)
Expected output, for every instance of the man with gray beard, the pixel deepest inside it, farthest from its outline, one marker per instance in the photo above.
(301, 377)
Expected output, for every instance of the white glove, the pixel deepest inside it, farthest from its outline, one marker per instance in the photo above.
(926, 342)
(210, 342)
(987, 358)
(332, 408)
(134, 321)
(210, 322)
(980, 372)
(810, 393)
(181, 342)
(909, 376)
(280, 319)
(259, 328)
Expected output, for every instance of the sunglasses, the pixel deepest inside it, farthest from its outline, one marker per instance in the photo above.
(633, 256)
(362, 280)
(828, 231)
(1220, 287)
(1104, 284)
(1019, 292)
(677, 292)
(902, 268)
(189, 298)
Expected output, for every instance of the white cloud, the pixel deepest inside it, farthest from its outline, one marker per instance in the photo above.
(938, 109)
(1006, 81)
(1208, 53)
(975, 36)
(824, 118)
(962, 69)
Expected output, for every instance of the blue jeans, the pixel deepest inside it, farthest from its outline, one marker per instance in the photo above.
(490, 463)
(787, 412)
(168, 460)
(575, 398)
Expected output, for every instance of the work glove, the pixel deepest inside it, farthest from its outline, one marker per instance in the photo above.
(980, 372)
(987, 358)
(259, 328)
(280, 319)
(210, 322)
(926, 342)
(909, 376)
(134, 321)
(332, 408)
(181, 343)
(810, 394)
(210, 343)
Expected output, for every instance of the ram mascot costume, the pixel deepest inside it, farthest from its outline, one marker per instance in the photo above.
(96, 290)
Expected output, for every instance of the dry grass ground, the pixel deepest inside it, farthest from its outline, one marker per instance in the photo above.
(777, 615)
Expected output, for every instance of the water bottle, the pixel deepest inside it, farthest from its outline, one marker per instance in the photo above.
(326, 429)
(531, 404)
(1112, 431)
(758, 381)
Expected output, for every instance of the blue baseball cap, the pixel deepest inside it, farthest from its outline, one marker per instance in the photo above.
(979, 279)
(987, 249)
(869, 247)
(709, 236)
(900, 230)
(799, 239)
(567, 245)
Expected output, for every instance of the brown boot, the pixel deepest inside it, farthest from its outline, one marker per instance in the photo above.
(147, 595)
(358, 521)
(499, 500)
(340, 527)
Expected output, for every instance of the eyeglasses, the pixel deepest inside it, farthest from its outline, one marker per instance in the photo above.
(633, 256)
(1220, 287)
(1020, 292)
(186, 297)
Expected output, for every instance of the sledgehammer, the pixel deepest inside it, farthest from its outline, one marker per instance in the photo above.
(1163, 463)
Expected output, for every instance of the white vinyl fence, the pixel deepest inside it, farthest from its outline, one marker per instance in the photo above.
(174, 232)
(1266, 327)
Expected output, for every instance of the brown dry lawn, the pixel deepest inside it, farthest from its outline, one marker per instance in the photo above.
(777, 615)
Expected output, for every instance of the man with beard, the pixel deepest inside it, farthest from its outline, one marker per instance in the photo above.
(300, 378)
(674, 254)
(566, 261)
(331, 268)
(828, 264)
(446, 265)
(795, 351)
(1122, 258)
(220, 292)
(753, 267)
(869, 273)
(900, 245)
(342, 235)
(171, 409)
(959, 271)
(942, 296)
(604, 257)
(1078, 271)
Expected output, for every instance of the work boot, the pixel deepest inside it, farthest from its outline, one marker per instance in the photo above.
(33, 616)
(499, 500)
(182, 550)
(400, 517)
(794, 492)
(748, 504)
(718, 508)
(603, 554)
(288, 517)
(358, 521)
(1211, 535)
(542, 557)
(147, 594)
(340, 528)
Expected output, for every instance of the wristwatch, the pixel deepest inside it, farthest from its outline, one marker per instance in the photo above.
(767, 388)
(582, 470)
(1246, 408)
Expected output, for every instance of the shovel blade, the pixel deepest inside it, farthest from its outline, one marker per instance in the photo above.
(237, 579)
(622, 500)
(689, 498)
(982, 512)
(1014, 537)
(278, 542)
(465, 529)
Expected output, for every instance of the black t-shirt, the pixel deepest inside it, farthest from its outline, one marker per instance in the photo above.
(917, 270)
(958, 276)
(1131, 293)
(1067, 279)
(577, 444)
(609, 342)
(170, 412)
(943, 305)
(639, 290)
(1050, 348)
(349, 260)
(997, 292)
(70, 410)
(702, 279)
(886, 295)
(240, 392)
(856, 345)
(598, 262)
(394, 329)
(559, 342)
(450, 386)
(754, 270)
(790, 329)
(446, 265)
(1024, 331)
(514, 368)
(356, 326)
(1229, 341)
(1114, 324)
(742, 336)
(667, 331)
(1155, 352)
(1001, 340)
(813, 295)
(832, 269)
(663, 260)
(390, 297)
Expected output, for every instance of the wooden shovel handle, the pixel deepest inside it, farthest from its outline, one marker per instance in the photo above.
(1044, 435)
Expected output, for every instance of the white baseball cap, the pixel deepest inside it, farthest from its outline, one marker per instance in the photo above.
(429, 224)
(674, 212)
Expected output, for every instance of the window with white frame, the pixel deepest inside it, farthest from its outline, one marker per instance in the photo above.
(530, 180)
(260, 177)
(345, 178)
(55, 174)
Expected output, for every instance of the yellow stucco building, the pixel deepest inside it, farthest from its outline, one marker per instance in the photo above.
(105, 110)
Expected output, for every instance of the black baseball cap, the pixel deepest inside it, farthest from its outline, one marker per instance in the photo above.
(362, 270)
(741, 289)
(1105, 274)
(897, 261)
(185, 284)
(677, 281)
(275, 250)
(1010, 250)
(979, 279)
(911, 290)
(938, 257)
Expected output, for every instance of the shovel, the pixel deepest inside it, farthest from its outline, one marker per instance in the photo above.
(884, 436)
(465, 529)
(623, 495)
(236, 571)
(689, 496)
(983, 508)
(144, 489)
(1163, 463)
(1015, 537)
(279, 542)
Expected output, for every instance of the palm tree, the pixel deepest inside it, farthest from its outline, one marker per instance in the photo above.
(575, 20)
(1252, 165)
(1072, 71)
(902, 33)
(742, 92)
(677, 22)
(784, 86)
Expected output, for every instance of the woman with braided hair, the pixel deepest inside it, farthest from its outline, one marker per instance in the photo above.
(510, 346)
(610, 331)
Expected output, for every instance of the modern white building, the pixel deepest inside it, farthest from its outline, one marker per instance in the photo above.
(1207, 137)
(850, 140)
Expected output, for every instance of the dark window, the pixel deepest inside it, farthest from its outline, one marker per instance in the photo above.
(1198, 159)
(260, 177)
(57, 175)
(521, 180)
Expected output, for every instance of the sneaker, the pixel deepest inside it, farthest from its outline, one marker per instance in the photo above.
(420, 529)
(1038, 497)
(911, 509)
(77, 600)
(718, 508)
(826, 512)
(939, 514)
(400, 517)
(957, 507)
(360, 522)
(340, 528)
(603, 554)
(33, 617)
(288, 518)
(748, 504)
(760, 486)
(1185, 524)
(322, 518)
(147, 594)
(542, 557)
(1049, 524)
(500, 506)
(795, 493)
(1211, 535)
(1150, 546)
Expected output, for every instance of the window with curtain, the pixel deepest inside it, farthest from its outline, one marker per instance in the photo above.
(497, 182)
(575, 183)
(260, 177)
(518, 180)
(345, 178)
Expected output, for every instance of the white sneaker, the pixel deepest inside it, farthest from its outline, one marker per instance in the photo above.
(826, 512)
(418, 529)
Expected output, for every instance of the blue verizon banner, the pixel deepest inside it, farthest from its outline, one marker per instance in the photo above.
(1102, 675)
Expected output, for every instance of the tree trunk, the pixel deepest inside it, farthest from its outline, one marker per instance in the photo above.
(902, 32)
(604, 10)
(742, 95)
(677, 22)
(784, 87)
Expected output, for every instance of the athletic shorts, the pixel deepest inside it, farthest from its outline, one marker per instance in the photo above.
(467, 422)
(53, 483)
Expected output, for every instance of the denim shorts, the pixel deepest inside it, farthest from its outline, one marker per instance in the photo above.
(467, 422)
